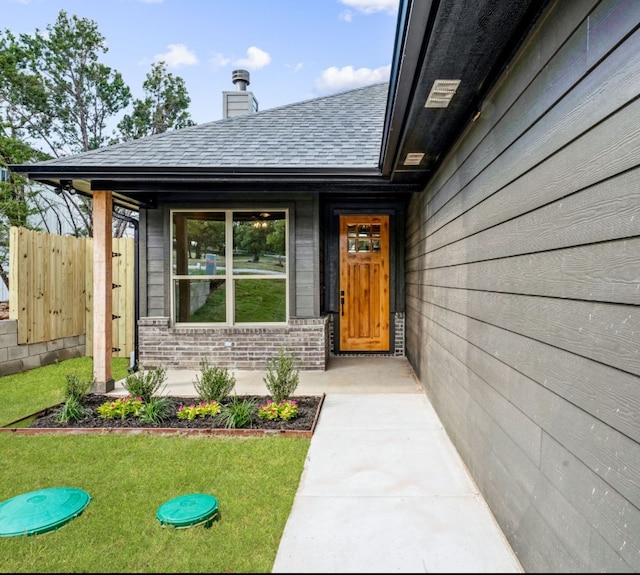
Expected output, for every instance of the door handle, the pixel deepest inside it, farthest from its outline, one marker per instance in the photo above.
(342, 305)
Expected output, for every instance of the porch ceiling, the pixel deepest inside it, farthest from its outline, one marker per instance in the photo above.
(469, 42)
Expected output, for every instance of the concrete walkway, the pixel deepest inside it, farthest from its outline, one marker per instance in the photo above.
(383, 490)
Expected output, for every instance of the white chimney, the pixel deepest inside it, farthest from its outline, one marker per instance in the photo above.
(240, 102)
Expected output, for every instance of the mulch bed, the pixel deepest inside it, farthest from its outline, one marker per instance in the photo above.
(308, 413)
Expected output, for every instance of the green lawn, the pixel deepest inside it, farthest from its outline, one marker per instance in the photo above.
(129, 476)
(22, 394)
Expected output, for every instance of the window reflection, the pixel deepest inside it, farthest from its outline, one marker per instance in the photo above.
(212, 250)
(199, 243)
(259, 243)
(363, 238)
(201, 301)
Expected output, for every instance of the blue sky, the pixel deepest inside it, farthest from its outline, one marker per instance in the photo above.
(294, 50)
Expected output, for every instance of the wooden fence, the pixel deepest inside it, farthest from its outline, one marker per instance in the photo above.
(51, 289)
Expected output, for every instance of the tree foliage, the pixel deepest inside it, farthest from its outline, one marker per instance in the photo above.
(16, 196)
(164, 106)
(54, 90)
(57, 98)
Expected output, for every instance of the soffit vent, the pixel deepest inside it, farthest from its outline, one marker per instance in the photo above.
(413, 159)
(441, 93)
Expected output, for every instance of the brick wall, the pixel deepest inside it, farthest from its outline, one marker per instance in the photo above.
(246, 348)
(15, 358)
(398, 336)
(398, 324)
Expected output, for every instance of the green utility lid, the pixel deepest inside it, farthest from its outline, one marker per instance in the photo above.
(41, 511)
(188, 510)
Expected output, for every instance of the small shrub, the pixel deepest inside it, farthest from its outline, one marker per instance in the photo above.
(72, 410)
(145, 384)
(74, 394)
(76, 387)
(120, 408)
(237, 413)
(156, 410)
(215, 383)
(284, 411)
(282, 377)
(202, 409)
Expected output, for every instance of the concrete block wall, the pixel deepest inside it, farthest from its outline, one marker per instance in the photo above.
(246, 348)
(16, 358)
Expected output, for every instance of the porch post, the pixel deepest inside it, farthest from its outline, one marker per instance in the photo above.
(102, 291)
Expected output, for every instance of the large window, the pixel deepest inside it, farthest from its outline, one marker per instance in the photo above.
(229, 266)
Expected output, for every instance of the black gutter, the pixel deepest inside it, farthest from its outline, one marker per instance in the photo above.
(89, 172)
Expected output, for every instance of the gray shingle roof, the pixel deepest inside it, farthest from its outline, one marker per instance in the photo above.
(338, 131)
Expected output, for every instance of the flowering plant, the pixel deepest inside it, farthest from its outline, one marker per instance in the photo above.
(121, 407)
(285, 410)
(202, 409)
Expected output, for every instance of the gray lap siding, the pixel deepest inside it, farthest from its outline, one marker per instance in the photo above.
(523, 307)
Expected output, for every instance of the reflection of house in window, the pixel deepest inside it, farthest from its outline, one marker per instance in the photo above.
(244, 284)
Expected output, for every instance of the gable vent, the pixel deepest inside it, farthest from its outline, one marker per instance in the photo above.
(441, 93)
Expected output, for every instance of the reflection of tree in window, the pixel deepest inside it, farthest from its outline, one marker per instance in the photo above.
(276, 239)
(252, 239)
(261, 237)
(206, 236)
(218, 294)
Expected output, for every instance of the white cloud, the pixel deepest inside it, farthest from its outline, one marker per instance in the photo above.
(346, 15)
(151, 1)
(347, 78)
(177, 55)
(372, 6)
(255, 59)
(295, 67)
(219, 60)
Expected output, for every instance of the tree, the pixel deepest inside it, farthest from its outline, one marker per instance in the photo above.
(56, 96)
(54, 88)
(16, 196)
(163, 108)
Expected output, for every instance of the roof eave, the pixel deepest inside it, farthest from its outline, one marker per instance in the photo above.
(123, 181)
(415, 22)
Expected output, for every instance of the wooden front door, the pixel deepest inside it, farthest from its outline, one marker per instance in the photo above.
(364, 283)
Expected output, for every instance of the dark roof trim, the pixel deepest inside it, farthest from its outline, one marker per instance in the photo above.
(415, 19)
(170, 173)
(259, 184)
